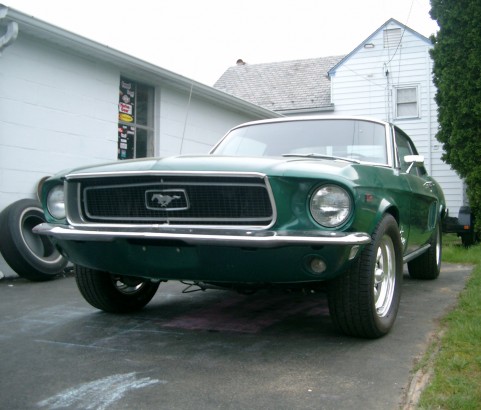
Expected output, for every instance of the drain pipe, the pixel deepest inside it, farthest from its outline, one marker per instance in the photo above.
(10, 34)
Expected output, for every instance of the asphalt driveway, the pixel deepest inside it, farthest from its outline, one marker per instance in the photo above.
(207, 350)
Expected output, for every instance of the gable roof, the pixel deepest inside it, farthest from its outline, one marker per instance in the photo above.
(391, 21)
(285, 87)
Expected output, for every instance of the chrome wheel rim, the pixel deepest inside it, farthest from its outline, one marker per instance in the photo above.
(128, 285)
(39, 246)
(384, 276)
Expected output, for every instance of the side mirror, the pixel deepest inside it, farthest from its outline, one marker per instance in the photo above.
(413, 160)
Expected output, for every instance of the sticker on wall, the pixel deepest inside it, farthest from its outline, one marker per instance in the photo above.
(125, 85)
(125, 108)
(125, 117)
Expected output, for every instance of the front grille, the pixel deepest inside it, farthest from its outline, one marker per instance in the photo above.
(192, 200)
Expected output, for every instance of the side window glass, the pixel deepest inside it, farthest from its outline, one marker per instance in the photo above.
(403, 149)
(406, 147)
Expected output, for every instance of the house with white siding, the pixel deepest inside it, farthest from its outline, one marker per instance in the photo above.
(388, 76)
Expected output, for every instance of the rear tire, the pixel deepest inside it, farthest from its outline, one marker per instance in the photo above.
(428, 265)
(364, 301)
(114, 293)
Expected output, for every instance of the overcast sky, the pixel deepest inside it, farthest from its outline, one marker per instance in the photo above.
(200, 39)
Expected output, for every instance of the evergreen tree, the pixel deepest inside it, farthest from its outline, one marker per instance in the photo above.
(457, 76)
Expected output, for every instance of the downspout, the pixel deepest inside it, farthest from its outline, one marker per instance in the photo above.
(430, 108)
(331, 86)
(10, 34)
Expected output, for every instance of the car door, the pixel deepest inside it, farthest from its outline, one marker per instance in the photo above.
(423, 193)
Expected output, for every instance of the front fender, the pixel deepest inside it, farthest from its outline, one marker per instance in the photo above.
(372, 206)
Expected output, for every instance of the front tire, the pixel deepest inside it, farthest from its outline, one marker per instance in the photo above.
(364, 301)
(114, 293)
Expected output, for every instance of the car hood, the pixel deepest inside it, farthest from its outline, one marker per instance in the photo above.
(292, 166)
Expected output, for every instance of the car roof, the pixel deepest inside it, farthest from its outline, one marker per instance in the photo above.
(312, 118)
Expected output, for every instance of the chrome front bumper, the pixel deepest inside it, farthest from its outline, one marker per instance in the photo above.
(199, 236)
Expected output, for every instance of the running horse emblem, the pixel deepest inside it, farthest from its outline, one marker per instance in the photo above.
(164, 200)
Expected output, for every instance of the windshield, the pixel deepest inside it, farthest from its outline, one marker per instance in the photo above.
(351, 139)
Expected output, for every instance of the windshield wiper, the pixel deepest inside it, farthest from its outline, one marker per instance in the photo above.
(322, 156)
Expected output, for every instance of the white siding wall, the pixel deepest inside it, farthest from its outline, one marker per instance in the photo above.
(192, 128)
(360, 86)
(57, 111)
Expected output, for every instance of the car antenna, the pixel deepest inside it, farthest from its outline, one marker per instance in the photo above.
(186, 116)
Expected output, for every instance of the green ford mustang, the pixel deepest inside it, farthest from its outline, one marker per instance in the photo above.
(331, 203)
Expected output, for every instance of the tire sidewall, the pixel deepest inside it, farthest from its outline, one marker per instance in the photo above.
(40, 262)
(387, 226)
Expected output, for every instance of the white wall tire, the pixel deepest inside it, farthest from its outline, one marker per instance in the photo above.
(31, 256)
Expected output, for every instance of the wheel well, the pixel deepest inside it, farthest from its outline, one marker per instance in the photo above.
(394, 212)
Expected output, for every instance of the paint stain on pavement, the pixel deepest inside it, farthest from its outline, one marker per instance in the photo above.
(98, 394)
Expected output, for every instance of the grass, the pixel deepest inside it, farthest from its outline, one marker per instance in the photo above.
(456, 366)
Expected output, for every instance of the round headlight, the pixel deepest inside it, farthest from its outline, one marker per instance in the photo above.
(330, 206)
(56, 202)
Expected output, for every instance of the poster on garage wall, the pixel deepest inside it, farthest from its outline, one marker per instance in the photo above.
(126, 132)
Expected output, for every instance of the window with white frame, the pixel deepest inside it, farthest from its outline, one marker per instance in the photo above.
(407, 102)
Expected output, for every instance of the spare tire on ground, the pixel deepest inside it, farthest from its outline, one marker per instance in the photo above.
(31, 256)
